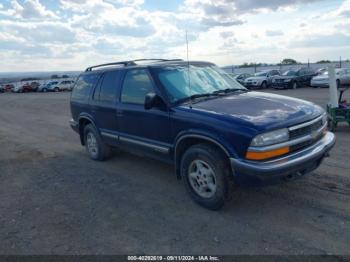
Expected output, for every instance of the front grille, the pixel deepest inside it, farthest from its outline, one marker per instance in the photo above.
(304, 144)
(303, 131)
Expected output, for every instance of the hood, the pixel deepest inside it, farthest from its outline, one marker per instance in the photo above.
(261, 111)
(256, 78)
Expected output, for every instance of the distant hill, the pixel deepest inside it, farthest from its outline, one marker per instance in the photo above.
(17, 76)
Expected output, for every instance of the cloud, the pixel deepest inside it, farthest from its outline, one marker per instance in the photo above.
(252, 5)
(345, 13)
(273, 33)
(332, 40)
(49, 32)
(30, 9)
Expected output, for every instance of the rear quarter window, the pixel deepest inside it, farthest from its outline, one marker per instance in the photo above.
(83, 86)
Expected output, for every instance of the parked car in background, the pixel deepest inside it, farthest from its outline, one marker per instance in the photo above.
(35, 85)
(50, 86)
(66, 85)
(27, 88)
(2, 89)
(294, 78)
(320, 71)
(242, 77)
(342, 76)
(17, 88)
(261, 79)
(8, 87)
(215, 133)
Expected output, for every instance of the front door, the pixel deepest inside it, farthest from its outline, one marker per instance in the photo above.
(146, 130)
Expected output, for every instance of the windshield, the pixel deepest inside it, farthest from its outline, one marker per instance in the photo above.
(261, 74)
(203, 79)
(289, 73)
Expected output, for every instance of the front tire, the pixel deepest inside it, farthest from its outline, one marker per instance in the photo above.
(263, 85)
(205, 174)
(294, 85)
(94, 145)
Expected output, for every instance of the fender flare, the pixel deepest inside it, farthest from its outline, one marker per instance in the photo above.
(200, 135)
(90, 119)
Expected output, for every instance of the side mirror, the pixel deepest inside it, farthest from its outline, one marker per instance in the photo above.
(151, 100)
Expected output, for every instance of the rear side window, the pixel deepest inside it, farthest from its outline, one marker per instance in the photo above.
(135, 87)
(83, 86)
(108, 89)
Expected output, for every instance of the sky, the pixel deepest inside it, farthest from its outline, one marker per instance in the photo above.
(54, 35)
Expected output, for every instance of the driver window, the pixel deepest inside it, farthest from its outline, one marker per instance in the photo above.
(135, 87)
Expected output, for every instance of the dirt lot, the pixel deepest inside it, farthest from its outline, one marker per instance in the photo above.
(55, 200)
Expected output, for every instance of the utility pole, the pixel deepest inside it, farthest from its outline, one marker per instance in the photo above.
(308, 63)
(340, 62)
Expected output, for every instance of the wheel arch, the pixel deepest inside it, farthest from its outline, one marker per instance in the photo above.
(187, 140)
(83, 121)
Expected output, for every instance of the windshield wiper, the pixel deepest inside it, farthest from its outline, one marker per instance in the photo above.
(195, 96)
(227, 90)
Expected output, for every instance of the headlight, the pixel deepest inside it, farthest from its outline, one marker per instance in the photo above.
(287, 80)
(271, 138)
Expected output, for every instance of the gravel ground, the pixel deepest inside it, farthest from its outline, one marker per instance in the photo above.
(55, 200)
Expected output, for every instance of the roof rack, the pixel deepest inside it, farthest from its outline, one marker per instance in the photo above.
(124, 63)
(130, 63)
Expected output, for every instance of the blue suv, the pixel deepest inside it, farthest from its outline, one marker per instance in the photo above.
(197, 117)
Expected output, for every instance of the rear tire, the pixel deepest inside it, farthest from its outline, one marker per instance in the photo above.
(94, 145)
(205, 174)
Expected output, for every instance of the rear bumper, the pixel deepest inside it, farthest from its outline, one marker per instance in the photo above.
(274, 171)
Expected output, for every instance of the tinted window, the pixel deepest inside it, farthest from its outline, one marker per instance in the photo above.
(83, 86)
(108, 88)
(135, 87)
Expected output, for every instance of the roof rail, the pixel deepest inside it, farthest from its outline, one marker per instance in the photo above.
(156, 59)
(124, 63)
(131, 62)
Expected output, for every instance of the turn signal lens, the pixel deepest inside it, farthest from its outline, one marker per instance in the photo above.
(267, 154)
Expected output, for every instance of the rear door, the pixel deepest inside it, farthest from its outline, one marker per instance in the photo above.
(146, 130)
(81, 93)
(103, 105)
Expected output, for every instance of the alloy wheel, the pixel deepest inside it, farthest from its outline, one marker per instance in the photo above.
(92, 144)
(202, 178)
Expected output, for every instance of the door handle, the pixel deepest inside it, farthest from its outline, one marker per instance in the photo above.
(119, 113)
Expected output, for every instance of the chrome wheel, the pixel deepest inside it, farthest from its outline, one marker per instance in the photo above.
(202, 178)
(91, 143)
(294, 85)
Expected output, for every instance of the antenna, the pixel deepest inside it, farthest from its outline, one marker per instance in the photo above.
(188, 71)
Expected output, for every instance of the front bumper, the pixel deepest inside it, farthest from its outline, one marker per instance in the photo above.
(273, 171)
(319, 84)
(74, 125)
(252, 84)
(281, 85)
